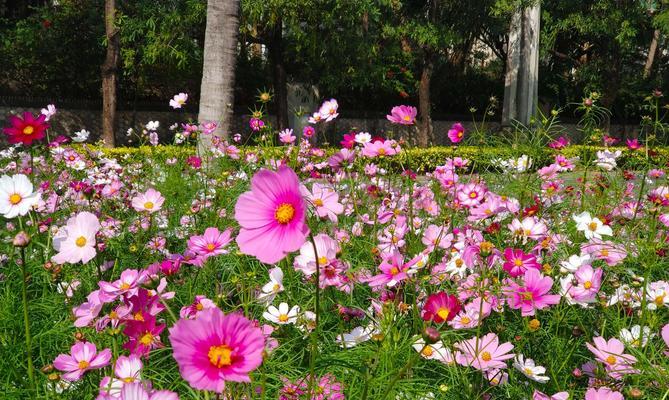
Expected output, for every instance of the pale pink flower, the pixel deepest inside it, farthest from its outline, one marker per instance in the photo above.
(483, 353)
(324, 199)
(150, 201)
(84, 357)
(75, 242)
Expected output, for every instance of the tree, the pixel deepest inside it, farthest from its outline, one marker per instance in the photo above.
(218, 70)
(109, 75)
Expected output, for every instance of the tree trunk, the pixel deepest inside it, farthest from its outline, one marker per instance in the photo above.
(218, 71)
(522, 67)
(279, 74)
(425, 134)
(651, 54)
(109, 75)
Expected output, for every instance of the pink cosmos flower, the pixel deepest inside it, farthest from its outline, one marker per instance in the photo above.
(665, 337)
(611, 353)
(150, 201)
(88, 311)
(379, 149)
(393, 270)
(537, 395)
(633, 144)
(603, 393)
(178, 100)
(456, 133)
(348, 140)
(211, 243)
(256, 124)
(559, 143)
(325, 199)
(517, 262)
(484, 353)
(328, 110)
(589, 281)
(143, 335)
(75, 242)
(308, 131)
(327, 249)
(136, 391)
(471, 194)
(83, 357)
(532, 295)
(272, 216)
(403, 115)
(215, 348)
(286, 136)
(200, 304)
(441, 307)
(128, 284)
(435, 236)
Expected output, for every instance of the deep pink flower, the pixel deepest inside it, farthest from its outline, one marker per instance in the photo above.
(483, 353)
(517, 262)
(559, 143)
(633, 144)
(25, 130)
(143, 335)
(215, 348)
(348, 141)
(83, 357)
(441, 307)
(532, 295)
(393, 270)
(272, 216)
(256, 124)
(456, 133)
(308, 131)
(403, 115)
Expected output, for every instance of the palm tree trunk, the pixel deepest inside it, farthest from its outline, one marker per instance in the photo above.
(109, 72)
(651, 54)
(218, 71)
(424, 104)
(275, 47)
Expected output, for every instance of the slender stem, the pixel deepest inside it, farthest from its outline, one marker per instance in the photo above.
(314, 334)
(169, 310)
(401, 372)
(26, 321)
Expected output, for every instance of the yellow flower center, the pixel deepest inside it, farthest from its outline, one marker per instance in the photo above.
(322, 260)
(587, 284)
(83, 364)
(518, 262)
(199, 307)
(527, 296)
(318, 203)
(129, 379)
(604, 253)
(459, 262)
(211, 246)
(473, 195)
(659, 300)
(382, 151)
(528, 371)
(284, 213)
(485, 356)
(611, 360)
(113, 315)
(443, 313)
(283, 318)
(220, 356)
(465, 320)
(125, 286)
(427, 351)
(146, 339)
(28, 130)
(138, 316)
(148, 205)
(592, 226)
(15, 198)
(394, 271)
(276, 287)
(81, 241)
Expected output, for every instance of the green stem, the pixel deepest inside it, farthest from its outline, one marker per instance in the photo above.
(26, 321)
(401, 372)
(314, 334)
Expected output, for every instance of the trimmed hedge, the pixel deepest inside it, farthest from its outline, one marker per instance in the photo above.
(422, 159)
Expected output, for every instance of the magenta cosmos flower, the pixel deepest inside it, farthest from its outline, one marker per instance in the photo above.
(75, 242)
(483, 354)
(215, 348)
(150, 201)
(25, 130)
(272, 216)
(456, 133)
(517, 262)
(83, 357)
(403, 115)
(532, 295)
(440, 307)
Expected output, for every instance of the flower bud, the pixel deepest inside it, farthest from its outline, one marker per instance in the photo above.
(431, 335)
(22, 239)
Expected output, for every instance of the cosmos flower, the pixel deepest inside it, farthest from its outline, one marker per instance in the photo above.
(211, 243)
(272, 216)
(324, 199)
(528, 368)
(483, 353)
(83, 357)
(75, 242)
(611, 353)
(17, 196)
(282, 315)
(215, 348)
(440, 307)
(178, 100)
(603, 393)
(403, 115)
(591, 227)
(531, 294)
(149, 201)
(26, 130)
(456, 133)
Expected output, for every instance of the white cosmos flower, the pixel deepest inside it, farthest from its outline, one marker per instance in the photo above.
(16, 195)
(607, 159)
(274, 286)
(592, 227)
(436, 351)
(358, 335)
(363, 137)
(152, 125)
(574, 262)
(283, 315)
(529, 369)
(81, 136)
(634, 338)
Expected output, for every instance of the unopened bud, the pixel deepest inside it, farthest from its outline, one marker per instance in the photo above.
(22, 239)
(431, 335)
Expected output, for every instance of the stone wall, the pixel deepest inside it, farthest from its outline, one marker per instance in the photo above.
(68, 121)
